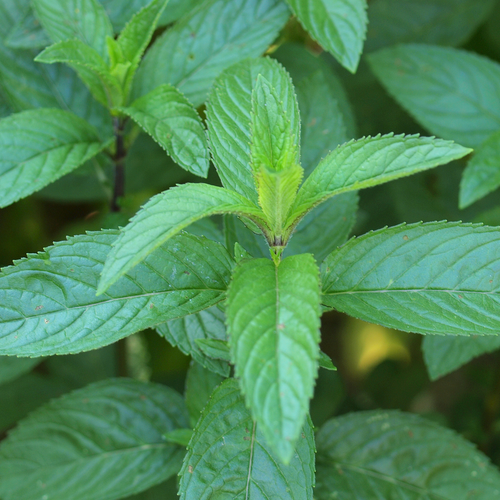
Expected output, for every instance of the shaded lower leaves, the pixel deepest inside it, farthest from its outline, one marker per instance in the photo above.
(183, 333)
(101, 442)
(11, 367)
(382, 455)
(273, 324)
(49, 304)
(228, 456)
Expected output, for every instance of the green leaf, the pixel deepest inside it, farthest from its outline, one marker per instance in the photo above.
(136, 36)
(12, 368)
(48, 302)
(179, 436)
(444, 354)
(184, 333)
(235, 231)
(27, 34)
(325, 362)
(200, 383)
(482, 174)
(229, 457)
(370, 161)
(162, 217)
(90, 66)
(273, 325)
(446, 90)
(39, 146)
(229, 119)
(338, 26)
(440, 22)
(389, 454)
(170, 119)
(217, 349)
(101, 442)
(211, 38)
(326, 227)
(438, 277)
(85, 20)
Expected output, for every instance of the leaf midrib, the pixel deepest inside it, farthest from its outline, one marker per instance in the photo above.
(412, 290)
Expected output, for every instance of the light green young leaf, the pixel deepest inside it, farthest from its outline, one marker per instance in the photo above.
(229, 118)
(229, 456)
(49, 305)
(27, 34)
(200, 383)
(211, 38)
(136, 36)
(482, 174)
(184, 333)
(90, 67)
(370, 161)
(444, 354)
(438, 278)
(325, 227)
(325, 362)
(179, 436)
(374, 454)
(440, 22)
(38, 147)
(12, 368)
(170, 119)
(452, 93)
(162, 217)
(338, 26)
(104, 441)
(83, 19)
(273, 325)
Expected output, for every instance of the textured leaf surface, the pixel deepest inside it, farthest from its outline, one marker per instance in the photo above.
(444, 354)
(326, 227)
(436, 277)
(89, 65)
(217, 349)
(444, 89)
(373, 160)
(38, 147)
(49, 306)
(382, 455)
(273, 325)
(213, 37)
(482, 174)
(440, 22)
(228, 456)
(101, 442)
(200, 383)
(167, 116)
(183, 333)
(229, 117)
(67, 19)
(11, 368)
(163, 216)
(27, 34)
(339, 26)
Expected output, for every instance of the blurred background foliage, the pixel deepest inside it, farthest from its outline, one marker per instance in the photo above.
(377, 367)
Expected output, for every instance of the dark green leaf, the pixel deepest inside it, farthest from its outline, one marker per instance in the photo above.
(12, 368)
(338, 26)
(229, 116)
(211, 38)
(101, 442)
(184, 333)
(482, 175)
(167, 116)
(228, 456)
(39, 146)
(27, 34)
(179, 436)
(444, 354)
(437, 277)
(163, 216)
(446, 90)
(67, 19)
(273, 325)
(235, 231)
(382, 455)
(48, 302)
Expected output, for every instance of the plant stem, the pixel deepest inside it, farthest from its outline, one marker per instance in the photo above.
(119, 164)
